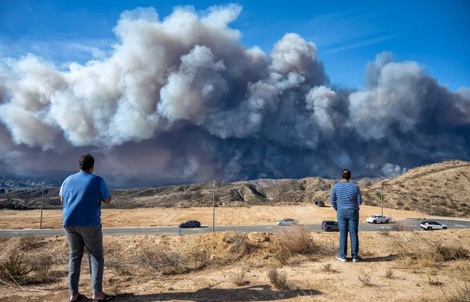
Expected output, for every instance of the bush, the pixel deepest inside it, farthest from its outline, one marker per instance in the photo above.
(166, 262)
(278, 279)
(239, 245)
(14, 267)
(238, 277)
(296, 239)
(283, 255)
(29, 243)
(447, 253)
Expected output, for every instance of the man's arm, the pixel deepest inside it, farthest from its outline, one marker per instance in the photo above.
(333, 199)
(105, 194)
(359, 196)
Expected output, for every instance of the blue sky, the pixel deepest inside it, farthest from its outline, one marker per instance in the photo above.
(348, 34)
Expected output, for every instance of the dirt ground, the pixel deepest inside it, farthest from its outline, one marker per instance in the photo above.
(396, 266)
(306, 214)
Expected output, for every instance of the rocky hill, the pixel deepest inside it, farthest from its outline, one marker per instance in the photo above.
(437, 189)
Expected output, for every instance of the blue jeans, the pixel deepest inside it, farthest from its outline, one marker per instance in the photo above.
(348, 220)
(78, 238)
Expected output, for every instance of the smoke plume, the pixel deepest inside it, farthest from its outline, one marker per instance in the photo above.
(181, 100)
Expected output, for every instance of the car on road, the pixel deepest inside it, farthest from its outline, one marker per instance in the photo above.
(329, 225)
(287, 221)
(190, 224)
(319, 203)
(376, 218)
(432, 225)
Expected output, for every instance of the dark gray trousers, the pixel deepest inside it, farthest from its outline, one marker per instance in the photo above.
(78, 238)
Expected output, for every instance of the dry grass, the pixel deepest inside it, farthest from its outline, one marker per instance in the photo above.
(296, 239)
(389, 273)
(238, 277)
(278, 279)
(365, 279)
(327, 267)
(462, 295)
(418, 250)
(29, 243)
(238, 244)
(216, 263)
(15, 267)
(283, 255)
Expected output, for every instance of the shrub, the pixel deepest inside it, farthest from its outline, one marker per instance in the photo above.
(15, 266)
(384, 233)
(239, 244)
(447, 253)
(327, 267)
(389, 273)
(400, 227)
(238, 277)
(296, 239)
(166, 262)
(283, 255)
(278, 279)
(29, 243)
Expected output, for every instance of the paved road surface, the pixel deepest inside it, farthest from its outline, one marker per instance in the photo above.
(408, 224)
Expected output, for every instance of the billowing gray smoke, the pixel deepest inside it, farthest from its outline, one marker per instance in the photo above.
(181, 100)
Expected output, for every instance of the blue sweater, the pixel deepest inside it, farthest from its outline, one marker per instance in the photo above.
(345, 195)
(82, 194)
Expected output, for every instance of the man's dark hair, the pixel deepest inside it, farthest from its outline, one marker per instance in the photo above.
(346, 174)
(86, 162)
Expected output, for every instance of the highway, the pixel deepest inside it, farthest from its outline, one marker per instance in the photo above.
(407, 224)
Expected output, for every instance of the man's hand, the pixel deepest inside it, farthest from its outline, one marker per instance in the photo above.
(107, 200)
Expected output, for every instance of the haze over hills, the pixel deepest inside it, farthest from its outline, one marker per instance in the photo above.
(438, 189)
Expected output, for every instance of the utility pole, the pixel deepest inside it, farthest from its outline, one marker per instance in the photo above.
(382, 197)
(42, 204)
(213, 207)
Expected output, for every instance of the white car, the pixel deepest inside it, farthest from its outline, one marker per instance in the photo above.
(287, 221)
(378, 219)
(432, 225)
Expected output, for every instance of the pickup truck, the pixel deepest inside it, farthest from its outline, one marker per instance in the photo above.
(378, 219)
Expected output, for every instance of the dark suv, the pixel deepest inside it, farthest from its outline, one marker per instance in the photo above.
(190, 224)
(329, 226)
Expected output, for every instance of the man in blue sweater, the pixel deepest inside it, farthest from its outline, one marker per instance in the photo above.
(346, 198)
(81, 195)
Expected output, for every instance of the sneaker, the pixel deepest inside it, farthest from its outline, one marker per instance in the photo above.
(342, 259)
(356, 259)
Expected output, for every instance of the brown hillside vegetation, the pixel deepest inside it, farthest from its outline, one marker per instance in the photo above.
(441, 189)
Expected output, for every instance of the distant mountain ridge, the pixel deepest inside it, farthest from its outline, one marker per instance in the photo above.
(439, 189)
(16, 182)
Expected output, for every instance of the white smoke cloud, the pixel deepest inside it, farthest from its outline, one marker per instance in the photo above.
(391, 170)
(182, 99)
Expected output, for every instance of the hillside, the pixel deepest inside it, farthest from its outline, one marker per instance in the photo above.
(437, 189)
(441, 189)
